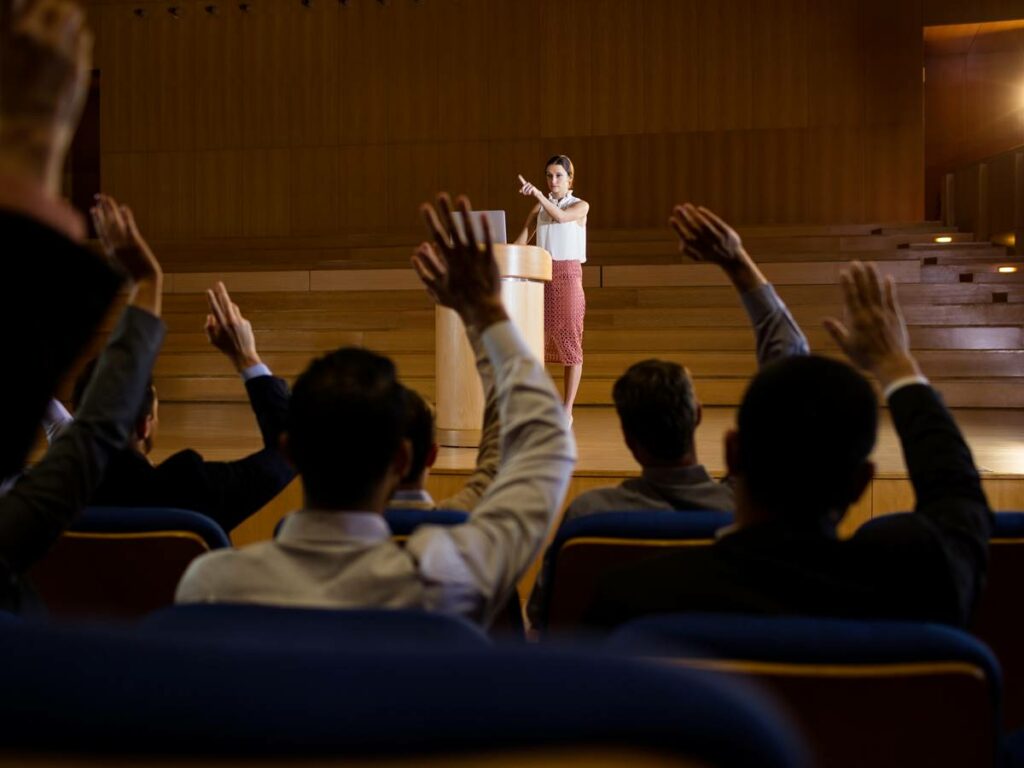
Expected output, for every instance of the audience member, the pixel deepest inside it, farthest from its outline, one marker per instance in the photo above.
(800, 458)
(345, 437)
(226, 491)
(421, 431)
(658, 408)
(44, 63)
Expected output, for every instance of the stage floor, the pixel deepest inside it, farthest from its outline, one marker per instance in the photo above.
(227, 431)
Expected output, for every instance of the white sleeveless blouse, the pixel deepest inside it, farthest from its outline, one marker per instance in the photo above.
(565, 242)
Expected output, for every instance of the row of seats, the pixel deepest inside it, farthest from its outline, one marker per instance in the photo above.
(720, 690)
(290, 686)
(126, 563)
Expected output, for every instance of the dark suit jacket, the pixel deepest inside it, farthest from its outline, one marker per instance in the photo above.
(227, 491)
(47, 498)
(928, 566)
(55, 293)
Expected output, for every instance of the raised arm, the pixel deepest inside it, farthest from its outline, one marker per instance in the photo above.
(47, 498)
(508, 526)
(574, 212)
(705, 237)
(230, 332)
(947, 487)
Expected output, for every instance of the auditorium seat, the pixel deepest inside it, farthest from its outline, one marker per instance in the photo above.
(122, 562)
(127, 698)
(998, 620)
(315, 628)
(864, 692)
(587, 547)
(403, 522)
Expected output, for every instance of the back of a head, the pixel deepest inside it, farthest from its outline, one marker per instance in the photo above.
(420, 431)
(657, 408)
(345, 423)
(806, 426)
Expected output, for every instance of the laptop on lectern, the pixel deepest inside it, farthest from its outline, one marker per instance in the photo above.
(496, 220)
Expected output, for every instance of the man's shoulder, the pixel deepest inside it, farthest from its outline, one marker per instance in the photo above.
(617, 498)
(219, 574)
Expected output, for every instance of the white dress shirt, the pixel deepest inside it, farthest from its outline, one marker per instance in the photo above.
(348, 560)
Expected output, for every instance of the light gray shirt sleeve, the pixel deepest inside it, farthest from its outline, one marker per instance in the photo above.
(484, 558)
(776, 332)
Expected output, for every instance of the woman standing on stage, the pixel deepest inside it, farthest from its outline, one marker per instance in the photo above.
(560, 222)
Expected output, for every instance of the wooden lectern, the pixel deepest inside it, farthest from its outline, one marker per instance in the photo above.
(460, 400)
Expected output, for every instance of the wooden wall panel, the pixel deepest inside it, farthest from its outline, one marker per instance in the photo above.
(671, 65)
(672, 173)
(219, 194)
(974, 103)
(995, 99)
(364, 46)
(834, 173)
(776, 176)
(312, 104)
(462, 168)
(163, 210)
(111, 33)
(414, 171)
(412, 72)
(268, 42)
(314, 186)
(463, 32)
(515, 66)
(507, 159)
(616, 69)
(338, 118)
(218, 80)
(893, 47)
(894, 172)
(266, 202)
(780, 80)
(835, 64)
(565, 93)
(364, 188)
(725, 64)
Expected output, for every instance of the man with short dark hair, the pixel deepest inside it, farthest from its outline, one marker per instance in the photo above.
(346, 437)
(800, 457)
(228, 492)
(658, 408)
(422, 433)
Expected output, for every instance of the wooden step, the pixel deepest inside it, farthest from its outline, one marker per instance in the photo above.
(793, 273)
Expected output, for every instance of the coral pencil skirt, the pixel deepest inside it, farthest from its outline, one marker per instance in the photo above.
(564, 308)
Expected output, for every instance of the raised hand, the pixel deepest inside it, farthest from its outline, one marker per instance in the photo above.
(705, 237)
(124, 244)
(459, 272)
(876, 339)
(526, 189)
(45, 60)
(229, 331)
(115, 225)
